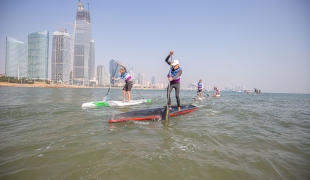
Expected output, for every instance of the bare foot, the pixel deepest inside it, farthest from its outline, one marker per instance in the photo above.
(179, 108)
(124, 101)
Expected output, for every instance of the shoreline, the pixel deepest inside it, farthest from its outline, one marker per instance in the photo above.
(44, 85)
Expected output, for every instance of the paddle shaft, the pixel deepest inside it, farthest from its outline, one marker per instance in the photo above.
(111, 83)
(168, 97)
(166, 113)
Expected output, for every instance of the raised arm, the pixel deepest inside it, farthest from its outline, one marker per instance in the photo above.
(122, 66)
(167, 59)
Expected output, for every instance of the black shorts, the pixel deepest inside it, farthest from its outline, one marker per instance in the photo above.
(128, 86)
(199, 90)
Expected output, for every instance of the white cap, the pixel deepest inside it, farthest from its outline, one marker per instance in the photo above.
(174, 62)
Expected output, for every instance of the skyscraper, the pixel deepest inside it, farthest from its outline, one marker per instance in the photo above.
(141, 79)
(153, 80)
(38, 44)
(131, 73)
(101, 75)
(113, 70)
(16, 58)
(82, 43)
(92, 60)
(61, 57)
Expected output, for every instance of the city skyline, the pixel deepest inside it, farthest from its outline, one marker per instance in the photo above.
(260, 45)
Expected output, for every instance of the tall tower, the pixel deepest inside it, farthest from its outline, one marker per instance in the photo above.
(92, 60)
(82, 46)
(38, 43)
(113, 70)
(61, 57)
(101, 75)
(131, 73)
(153, 81)
(15, 58)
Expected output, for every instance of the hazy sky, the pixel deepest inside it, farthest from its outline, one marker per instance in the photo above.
(261, 44)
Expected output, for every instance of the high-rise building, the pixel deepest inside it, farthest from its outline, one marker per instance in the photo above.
(16, 55)
(113, 70)
(107, 79)
(101, 76)
(92, 60)
(141, 79)
(82, 45)
(153, 81)
(61, 57)
(38, 44)
(131, 73)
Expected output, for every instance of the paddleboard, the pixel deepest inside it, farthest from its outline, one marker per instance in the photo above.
(95, 104)
(198, 98)
(150, 114)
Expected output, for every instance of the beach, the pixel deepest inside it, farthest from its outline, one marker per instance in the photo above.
(41, 84)
(44, 85)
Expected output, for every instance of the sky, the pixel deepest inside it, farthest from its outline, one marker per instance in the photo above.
(256, 44)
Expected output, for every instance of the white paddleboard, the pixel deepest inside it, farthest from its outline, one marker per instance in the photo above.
(113, 103)
(198, 98)
(121, 103)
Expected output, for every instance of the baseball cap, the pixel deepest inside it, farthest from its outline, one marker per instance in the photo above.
(174, 62)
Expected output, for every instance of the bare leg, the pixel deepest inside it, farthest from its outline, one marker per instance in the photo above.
(124, 95)
(128, 96)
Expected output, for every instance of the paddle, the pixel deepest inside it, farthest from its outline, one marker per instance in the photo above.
(206, 93)
(106, 96)
(166, 113)
(139, 94)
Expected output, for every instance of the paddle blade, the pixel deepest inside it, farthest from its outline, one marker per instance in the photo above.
(166, 114)
(105, 98)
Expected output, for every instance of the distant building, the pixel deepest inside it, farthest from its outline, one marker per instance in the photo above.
(61, 57)
(38, 45)
(101, 75)
(92, 60)
(153, 81)
(16, 58)
(82, 49)
(113, 70)
(141, 79)
(131, 73)
(107, 79)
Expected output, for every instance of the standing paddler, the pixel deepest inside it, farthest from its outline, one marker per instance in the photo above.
(200, 87)
(174, 79)
(128, 82)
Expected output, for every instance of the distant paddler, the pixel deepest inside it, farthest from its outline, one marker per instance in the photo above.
(200, 88)
(217, 91)
(128, 80)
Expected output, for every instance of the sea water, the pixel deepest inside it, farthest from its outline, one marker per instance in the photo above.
(45, 134)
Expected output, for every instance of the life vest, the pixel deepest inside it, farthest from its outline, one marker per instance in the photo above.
(174, 72)
(126, 77)
(200, 85)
